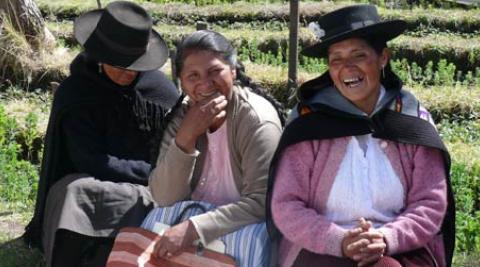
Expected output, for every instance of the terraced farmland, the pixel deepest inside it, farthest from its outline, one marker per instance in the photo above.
(438, 59)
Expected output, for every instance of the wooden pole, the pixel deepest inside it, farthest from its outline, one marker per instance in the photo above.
(293, 48)
(99, 4)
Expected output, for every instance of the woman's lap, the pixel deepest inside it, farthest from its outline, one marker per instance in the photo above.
(92, 207)
(415, 258)
(249, 245)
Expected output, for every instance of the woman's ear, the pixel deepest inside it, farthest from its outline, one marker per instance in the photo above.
(234, 73)
(385, 56)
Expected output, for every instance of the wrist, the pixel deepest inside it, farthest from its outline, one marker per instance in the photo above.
(185, 142)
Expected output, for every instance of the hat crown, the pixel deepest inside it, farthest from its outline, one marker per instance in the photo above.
(348, 18)
(124, 27)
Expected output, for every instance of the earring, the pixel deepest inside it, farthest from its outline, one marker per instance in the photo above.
(100, 67)
(383, 71)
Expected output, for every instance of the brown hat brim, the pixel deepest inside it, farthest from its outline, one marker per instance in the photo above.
(385, 31)
(154, 57)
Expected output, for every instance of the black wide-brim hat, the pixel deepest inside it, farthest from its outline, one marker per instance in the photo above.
(360, 21)
(121, 35)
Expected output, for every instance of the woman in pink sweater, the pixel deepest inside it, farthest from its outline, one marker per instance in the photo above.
(360, 175)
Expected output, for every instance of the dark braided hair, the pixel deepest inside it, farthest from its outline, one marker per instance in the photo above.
(208, 40)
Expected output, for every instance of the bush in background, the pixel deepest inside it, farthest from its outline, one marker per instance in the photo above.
(18, 177)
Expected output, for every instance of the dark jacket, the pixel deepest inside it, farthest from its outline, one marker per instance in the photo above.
(102, 129)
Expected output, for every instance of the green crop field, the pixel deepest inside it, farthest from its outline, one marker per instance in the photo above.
(438, 59)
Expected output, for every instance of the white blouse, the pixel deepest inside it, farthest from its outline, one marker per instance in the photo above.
(366, 185)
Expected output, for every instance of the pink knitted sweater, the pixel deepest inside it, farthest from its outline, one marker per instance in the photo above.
(305, 176)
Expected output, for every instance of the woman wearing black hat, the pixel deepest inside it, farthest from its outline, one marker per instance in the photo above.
(97, 148)
(361, 175)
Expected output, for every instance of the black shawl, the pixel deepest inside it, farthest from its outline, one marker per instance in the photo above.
(140, 107)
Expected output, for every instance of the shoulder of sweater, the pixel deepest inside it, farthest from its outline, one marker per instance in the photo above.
(255, 107)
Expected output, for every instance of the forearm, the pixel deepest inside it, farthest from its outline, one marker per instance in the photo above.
(170, 180)
(229, 218)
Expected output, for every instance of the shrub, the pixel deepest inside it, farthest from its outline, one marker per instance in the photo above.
(466, 186)
(18, 178)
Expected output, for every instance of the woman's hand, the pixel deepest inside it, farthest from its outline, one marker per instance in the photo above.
(175, 239)
(352, 243)
(364, 244)
(373, 251)
(200, 116)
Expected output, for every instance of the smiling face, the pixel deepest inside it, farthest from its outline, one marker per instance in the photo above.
(120, 76)
(204, 74)
(355, 68)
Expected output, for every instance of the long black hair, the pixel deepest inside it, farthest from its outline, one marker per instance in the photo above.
(208, 40)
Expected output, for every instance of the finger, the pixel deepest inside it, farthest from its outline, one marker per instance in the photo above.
(358, 244)
(160, 250)
(221, 115)
(364, 224)
(212, 100)
(371, 235)
(362, 221)
(374, 248)
(218, 107)
(354, 232)
(369, 259)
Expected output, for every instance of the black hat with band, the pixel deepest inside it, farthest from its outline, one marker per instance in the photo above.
(121, 35)
(360, 21)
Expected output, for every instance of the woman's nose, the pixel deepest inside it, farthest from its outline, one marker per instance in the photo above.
(206, 83)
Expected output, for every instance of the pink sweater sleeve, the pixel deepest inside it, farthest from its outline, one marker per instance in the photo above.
(426, 204)
(291, 213)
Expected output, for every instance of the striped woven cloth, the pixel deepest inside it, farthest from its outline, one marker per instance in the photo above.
(249, 246)
(133, 247)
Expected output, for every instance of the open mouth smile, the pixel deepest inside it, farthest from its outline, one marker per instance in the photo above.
(207, 94)
(353, 82)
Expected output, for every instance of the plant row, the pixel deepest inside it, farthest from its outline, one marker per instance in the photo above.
(454, 20)
(464, 53)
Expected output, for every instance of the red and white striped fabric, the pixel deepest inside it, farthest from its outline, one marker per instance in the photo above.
(134, 246)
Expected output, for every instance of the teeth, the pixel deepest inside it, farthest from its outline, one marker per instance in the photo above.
(351, 80)
(208, 93)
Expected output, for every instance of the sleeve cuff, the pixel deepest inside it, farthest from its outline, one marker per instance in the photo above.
(391, 240)
(178, 150)
(333, 241)
(197, 226)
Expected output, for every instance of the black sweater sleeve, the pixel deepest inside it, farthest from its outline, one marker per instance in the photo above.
(88, 154)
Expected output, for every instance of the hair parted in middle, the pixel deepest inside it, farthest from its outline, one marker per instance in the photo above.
(207, 40)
